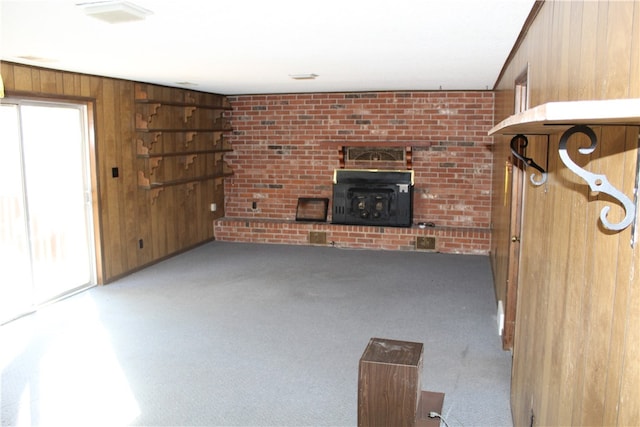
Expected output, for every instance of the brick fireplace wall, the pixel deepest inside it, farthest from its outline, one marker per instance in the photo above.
(287, 146)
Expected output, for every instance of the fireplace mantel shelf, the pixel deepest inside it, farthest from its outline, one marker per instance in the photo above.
(570, 118)
(344, 146)
(346, 143)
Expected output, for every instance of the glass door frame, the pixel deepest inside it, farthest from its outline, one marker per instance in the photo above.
(87, 105)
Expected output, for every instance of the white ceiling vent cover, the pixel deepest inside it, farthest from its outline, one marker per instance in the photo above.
(114, 12)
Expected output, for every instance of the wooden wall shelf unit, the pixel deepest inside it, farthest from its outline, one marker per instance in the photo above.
(149, 112)
(578, 117)
(180, 138)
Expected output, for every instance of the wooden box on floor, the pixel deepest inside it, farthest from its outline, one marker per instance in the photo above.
(389, 383)
(389, 386)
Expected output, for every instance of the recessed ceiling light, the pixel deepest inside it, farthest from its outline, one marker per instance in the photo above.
(187, 84)
(303, 76)
(114, 12)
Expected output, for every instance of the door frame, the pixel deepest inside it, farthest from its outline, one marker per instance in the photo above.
(91, 157)
(513, 253)
(521, 103)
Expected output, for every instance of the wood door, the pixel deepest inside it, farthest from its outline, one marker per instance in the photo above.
(515, 221)
(513, 263)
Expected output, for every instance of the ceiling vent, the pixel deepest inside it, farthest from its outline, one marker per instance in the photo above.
(114, 12)
(303, 76)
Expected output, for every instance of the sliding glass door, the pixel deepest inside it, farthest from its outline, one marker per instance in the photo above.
(46, 242)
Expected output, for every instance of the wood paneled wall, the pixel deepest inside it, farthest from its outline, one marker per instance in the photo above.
(577, 338)
(174, 221)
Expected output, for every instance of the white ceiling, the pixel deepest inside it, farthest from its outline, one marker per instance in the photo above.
(252, 46)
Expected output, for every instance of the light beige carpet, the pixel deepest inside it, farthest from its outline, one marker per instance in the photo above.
(264, 335)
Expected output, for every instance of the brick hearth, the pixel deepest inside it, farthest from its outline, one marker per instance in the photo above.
(447, 239)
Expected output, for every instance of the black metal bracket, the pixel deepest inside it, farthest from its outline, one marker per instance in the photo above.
(527, 160)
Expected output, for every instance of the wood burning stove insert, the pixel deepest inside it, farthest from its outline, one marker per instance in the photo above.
(373, 197)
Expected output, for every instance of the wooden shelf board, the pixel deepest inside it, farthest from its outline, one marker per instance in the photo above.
(184, 130)
(555, 117)
(183, 104)
(380, 144)
(184, 181)
(184, 153)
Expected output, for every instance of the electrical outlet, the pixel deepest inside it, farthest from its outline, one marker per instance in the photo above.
(213, 207)
(500, 317)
